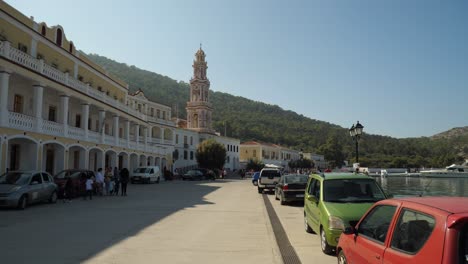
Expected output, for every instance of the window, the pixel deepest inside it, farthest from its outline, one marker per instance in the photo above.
(191, 155)
(412, 231)
(185, 154)
(90, 122)
(36, 178)
(254, 153)
(43, 30)
(71, 48)
(375, 224)
(23, 47)
(152, 112)
(191, 140)
(45, 177)
(164, 115)
(78, 120)
(97, 126)
(18, 104)
(14, 157)
(58, 39)
(177, 138)
(185, 139)
(52, 113)
(158, 113)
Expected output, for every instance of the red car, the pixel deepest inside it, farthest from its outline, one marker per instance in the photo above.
(409, 230)
(78, 178)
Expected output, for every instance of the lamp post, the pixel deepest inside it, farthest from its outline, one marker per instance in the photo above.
(355, 132)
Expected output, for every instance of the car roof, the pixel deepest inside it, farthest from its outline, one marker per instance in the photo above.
(341, 176)
(450, 204)
(27, 171)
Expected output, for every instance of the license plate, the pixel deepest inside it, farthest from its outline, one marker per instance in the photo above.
(299, 195)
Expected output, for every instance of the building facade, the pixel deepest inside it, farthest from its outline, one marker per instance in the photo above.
(267, 153)
(319, 160)
(59, 110)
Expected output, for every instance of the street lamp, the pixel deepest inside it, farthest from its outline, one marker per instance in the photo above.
(355, 132)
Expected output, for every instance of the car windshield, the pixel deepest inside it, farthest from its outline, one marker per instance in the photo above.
(271, 173)
(296, 179)
(352, 190)
(142, 170)
(193, 172)
(16, 178)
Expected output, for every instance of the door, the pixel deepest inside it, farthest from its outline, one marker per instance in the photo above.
(35, 187)
(50, 158)
(48, 186)
(311, 204)
(369, 244)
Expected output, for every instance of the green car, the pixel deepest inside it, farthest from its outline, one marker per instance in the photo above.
(334, 201)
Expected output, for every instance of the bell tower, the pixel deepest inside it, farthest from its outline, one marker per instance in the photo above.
(199, 108)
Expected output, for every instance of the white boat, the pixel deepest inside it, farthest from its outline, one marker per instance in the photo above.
(452, 171)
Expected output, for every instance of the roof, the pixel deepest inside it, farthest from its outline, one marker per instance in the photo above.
(343, 175)
(450, 204)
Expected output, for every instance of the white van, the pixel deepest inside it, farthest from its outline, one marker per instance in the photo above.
(147, 174)
(268, 179)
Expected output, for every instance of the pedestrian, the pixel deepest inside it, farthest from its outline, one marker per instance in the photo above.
(99, 182)
(89, 188)
(116, 179)
(116, 172)
(68, 191)
(124, 177)
(107, 181)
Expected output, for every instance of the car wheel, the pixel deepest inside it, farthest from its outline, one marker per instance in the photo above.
(326, 248)
(53, 197)
(260, 190)
(276, 195)
(157, 181)
(306, 225)
(342, 258)
(282, 201)
(23, 202)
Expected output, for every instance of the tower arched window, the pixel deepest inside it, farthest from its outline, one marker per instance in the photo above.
(58, 39)
(71, 47)
(43, 30)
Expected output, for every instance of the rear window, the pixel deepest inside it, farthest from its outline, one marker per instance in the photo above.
(142, 170)
(352, 190)
(270, 173)
(296, 178)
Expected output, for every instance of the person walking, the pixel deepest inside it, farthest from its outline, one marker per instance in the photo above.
(68, 191)
(89, 188)
(116, 180)
(99, 182)
(124, 178)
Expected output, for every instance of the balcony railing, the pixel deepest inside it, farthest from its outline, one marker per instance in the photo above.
(29, 123)
(22, 58)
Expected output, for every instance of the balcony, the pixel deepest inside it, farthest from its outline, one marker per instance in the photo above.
(40, 67)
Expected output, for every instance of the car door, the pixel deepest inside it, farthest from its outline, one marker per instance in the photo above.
(370, 241)
(311, 204)
(315, 212)
(47, 186)
(35, 188)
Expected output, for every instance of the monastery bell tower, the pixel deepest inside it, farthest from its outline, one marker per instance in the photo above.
(199, 108)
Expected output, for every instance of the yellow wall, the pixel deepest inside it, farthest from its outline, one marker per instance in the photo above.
(51, 56)
(14, 35)
(15, 13)
(246, 152)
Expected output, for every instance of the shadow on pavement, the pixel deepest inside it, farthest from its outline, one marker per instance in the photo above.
(74, 232)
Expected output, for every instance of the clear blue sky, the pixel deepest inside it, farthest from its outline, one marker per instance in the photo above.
(399, 67)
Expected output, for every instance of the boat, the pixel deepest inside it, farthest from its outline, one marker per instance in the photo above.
(452, 171)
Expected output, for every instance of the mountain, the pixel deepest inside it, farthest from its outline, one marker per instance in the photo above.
(452, 133)
(251, 120)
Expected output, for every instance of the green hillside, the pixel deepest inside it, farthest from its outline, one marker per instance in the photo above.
(251, 120)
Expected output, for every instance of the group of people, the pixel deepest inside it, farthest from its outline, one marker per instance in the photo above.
(108, 182)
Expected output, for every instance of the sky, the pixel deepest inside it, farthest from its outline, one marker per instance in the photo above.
(399, 67)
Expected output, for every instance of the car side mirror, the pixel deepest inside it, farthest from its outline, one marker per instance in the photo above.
(34, 183)
(350, 230)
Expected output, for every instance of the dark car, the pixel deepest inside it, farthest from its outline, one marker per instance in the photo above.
(193, 175)
(78, 178)
(291, 187)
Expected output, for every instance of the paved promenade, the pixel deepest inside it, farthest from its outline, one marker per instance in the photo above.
(174, 222)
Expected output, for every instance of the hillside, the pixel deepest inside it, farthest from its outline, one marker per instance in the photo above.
(251, 120)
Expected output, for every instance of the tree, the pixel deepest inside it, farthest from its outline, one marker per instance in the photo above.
(211, 154)
(255, 165)
(301, 164)
(333, 151)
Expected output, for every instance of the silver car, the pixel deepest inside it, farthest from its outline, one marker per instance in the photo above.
(20, 188)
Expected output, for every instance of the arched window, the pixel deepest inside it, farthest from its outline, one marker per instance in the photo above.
(59, 37)
(43, 30)
(71, 47)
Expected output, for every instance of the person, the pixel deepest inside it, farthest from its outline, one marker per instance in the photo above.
(89, 188)
(99, 181)
(124, 177)
(116, 180)
(116, 172)
(68, 191)
(107, 180)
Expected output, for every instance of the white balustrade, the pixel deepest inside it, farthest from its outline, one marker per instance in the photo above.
(23, 59)
(132, 144)
(76, 132)
(20, 121)
(54, 73)
(52, 128)
(109, 140)
(122, 142)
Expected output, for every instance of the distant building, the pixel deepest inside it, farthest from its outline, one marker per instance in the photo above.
(267, 153)
(319, 160)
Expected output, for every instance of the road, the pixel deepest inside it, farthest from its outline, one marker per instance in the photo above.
(172, 222)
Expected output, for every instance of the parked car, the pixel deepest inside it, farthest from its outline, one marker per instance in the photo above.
(291, 187)
(146, 175)
(21, 188)
(335, 201)
(268, 179)
(255, 177)
(78, 178)
(193, 175)
(409, 230)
